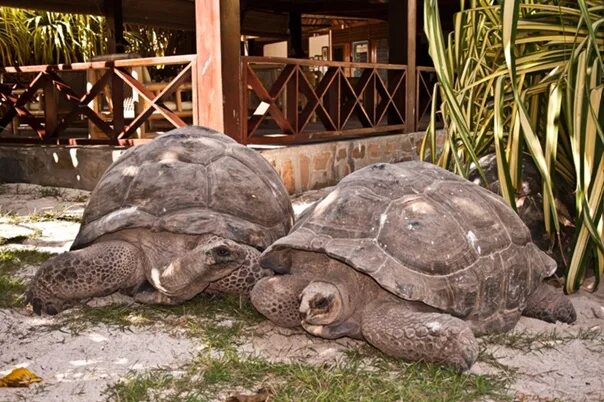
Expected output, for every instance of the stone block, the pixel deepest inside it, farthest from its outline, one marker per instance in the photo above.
(374, 150)
(358, 152)
(287, 175)
(304, 169)
(322, 161)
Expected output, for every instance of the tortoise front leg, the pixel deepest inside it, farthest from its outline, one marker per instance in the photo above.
(401, 332)
(551, 305)
(97, 270)
(278, 299)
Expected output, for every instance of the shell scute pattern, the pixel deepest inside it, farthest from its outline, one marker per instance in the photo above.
(426, 235)
(191, 180)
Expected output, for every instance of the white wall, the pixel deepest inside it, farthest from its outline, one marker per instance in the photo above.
(315, 43)
(278, 49)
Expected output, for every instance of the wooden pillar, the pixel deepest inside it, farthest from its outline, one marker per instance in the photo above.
(230, 34)
(115, 23)
(411, 96)
(51, 108)
(208, 75)
(402, 23)
(296, 48)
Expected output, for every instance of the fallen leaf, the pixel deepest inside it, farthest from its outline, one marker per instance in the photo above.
(19, 377)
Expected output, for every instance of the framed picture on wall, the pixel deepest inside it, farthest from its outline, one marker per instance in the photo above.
(325, 52)
(360, 54)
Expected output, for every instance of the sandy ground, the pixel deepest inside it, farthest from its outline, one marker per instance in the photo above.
(563, 362)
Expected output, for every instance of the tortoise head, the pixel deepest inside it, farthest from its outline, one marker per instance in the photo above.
(323, 303)
(206, 263)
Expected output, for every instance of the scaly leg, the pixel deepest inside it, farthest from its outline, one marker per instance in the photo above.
(432, 337)
(277, 298)
(97, 270)
(551, 305)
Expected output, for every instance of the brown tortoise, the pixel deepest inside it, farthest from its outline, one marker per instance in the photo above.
(186, 212)
(436, 258)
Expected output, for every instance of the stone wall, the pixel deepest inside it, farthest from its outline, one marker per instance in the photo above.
(56, 165)
(303, 167)
(308, 167)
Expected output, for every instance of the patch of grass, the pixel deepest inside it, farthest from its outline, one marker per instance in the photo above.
(12, 260)
(196, 316)
(376, 379)
(365, 374)
(51, 216)
(40, 217)
(50, 192)
(505, 372)
(8, 216)
(530, 342)
(11, 288)
(11, 291)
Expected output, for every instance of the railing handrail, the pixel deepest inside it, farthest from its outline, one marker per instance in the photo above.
(320, 63)
(425, 68)
(138, 62)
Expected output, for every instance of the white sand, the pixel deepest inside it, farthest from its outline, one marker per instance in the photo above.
(80, 367)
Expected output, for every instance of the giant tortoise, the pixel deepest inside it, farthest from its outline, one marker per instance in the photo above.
(413, 259)
(189, 211)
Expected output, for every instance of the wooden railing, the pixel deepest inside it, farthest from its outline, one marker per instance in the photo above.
(284, 101)
(296, 101)
(117, 102)
(425, 80)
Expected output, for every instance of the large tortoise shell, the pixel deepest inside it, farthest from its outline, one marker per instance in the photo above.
(191, 180)
(424, 234)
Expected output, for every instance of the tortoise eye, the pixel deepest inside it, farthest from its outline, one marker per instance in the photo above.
(222, 252)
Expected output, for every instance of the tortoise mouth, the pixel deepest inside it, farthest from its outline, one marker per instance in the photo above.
(179, 286)
(321, 304)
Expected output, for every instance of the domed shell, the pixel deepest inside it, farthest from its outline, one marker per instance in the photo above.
(424, 234)
(191, 180)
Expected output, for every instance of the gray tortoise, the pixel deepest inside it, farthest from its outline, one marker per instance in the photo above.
(436, 260)
(189, 211)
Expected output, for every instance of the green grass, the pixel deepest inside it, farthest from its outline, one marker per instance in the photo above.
(39, 217)
(221, 370)
(195, 316)
(50, 216)
(371, 377)
(530, 342)
(12, 288)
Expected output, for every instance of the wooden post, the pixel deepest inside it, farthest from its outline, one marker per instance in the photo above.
(411, 108)
(296, 48)
(117, 102)
(230, 35)
(402, 51)
(208, 77)
(115, 22)
(51, 108)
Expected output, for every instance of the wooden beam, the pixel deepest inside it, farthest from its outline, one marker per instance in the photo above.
(208, 74)
(296, 48)
(411, 98)
(118, 26)
(397, 52)
(230, 34)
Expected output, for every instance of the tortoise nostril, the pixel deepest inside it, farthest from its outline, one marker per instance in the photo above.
(51, 310)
